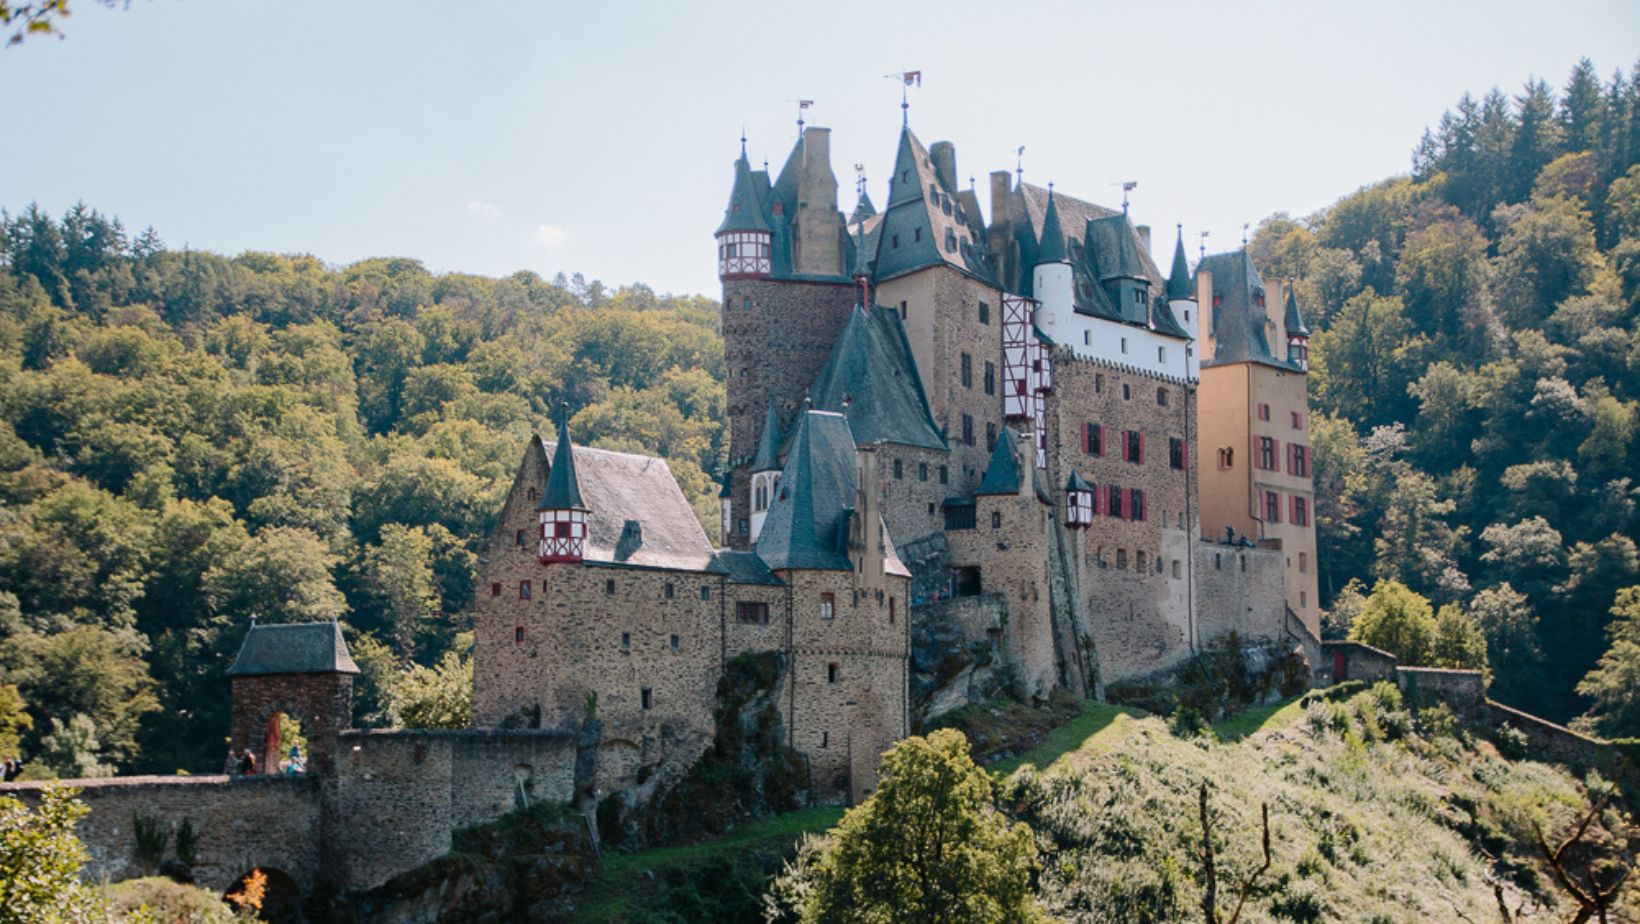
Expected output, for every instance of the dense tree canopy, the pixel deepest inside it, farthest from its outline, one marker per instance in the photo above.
(190, 441)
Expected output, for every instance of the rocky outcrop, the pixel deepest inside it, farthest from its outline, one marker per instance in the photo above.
(956, 656)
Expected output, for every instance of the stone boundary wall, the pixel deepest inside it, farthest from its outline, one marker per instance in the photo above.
(399, 794)
(1361, 662)
(1462, 690)
(1239, 590)
(243, 823)
(1550, 741)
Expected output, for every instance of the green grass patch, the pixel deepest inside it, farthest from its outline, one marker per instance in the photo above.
(1260, 718)
(620, 881)
(1098, 724)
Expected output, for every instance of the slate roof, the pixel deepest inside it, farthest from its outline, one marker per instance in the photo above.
(931, 224)
(1031, 208)
(1052, 249)
(617, 487)
(1238, 320)
(767, 457)
(293, 648)
(745, 209)
(871, 378)
(563, 491)
(1002, 475)
(1293, 319)
(807, 524)
(863, 209)
(1180, 284)
(744, 568)
(1077, 483)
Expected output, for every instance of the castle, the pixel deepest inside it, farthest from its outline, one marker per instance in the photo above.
(1004, 426)
(946, 436)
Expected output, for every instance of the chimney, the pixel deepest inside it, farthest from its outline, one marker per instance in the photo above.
(1204, 315)
(818, 246)
(944, 155)
(1144, 236)
(869, 520)
(1025, 452)
(1002, 183)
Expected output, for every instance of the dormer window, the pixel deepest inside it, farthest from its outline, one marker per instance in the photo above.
(1218, 299)
(916, 234)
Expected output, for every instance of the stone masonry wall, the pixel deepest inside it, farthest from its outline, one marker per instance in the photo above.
(400, 794)
(258, 822)
(1239, 590)
(776, 336)
(322, 703)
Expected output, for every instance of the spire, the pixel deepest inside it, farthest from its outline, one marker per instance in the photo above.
(745, 210)
(767, 458)
(563, 487)
(1052, 247)
(1002, 475)
(1293, 320)
(863, 208)
(1179, 287)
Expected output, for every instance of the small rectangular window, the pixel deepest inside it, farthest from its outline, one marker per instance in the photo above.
(518, 635)
(646, 698)
(1263, 411)
(1272, 507)
(667, 590)
(523, 536)
(1136, 503)
(1161, 397)
(968, 429)
(996, 519)
(899, 471)
(626, 641)
(967, 371)
(1093, 439)
(984, 313)
(990, 436)
(828, 606)
(825, 739)
(677, 643)
(945, 475)
(831, 672)
(990, 378)
(904, 311)
(1124, 344)
(495, 589)
(523, 590)
(1298, 421)
(749, 613)
(706, 593)
(609, 587)
(922, 471)
(891, 611)
(1175, 452)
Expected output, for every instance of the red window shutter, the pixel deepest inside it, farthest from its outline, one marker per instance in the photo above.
(1086, 446)
(1275, 455)
(1292, 514)
(1141, 449)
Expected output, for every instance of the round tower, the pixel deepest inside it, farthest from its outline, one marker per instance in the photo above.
(1051, 277)
(744, 238)
(563, 514)
(1298, 336)
(1181, 300)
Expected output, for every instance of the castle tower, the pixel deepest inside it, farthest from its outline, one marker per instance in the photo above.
(765, 470)
(562, 514)
(1051, 278)
(1181, 300)
(1298, 336)
(744, 236)
(300, 670)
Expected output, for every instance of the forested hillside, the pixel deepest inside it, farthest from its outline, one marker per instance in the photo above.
(1474, 383)
(189, 442)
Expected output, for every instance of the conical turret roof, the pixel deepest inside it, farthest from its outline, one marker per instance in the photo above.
(745, 209)
(563, 486)
(863, 209)
(1052, 248)
(1180, 286)
(1076, 483)
(1002, 475)
(1293, 320)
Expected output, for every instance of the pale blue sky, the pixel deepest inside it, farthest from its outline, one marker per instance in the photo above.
(495, 136)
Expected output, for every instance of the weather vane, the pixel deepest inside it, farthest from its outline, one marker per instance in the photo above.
(1204, 243)
(1019, 165)
(906, 79)
(860, 180)
(802, 104)
(1127, 187)
(1244, 227)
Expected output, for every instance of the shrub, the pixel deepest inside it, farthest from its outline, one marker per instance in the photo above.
(1512, 742)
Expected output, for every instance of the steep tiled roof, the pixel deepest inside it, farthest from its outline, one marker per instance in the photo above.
(293, 648)
(618, 487)
(745, 209)
(563, 491)
(1074, 215)
(744, 568)
(807, 524)
(871, 378)
(863, 209)
(1237, 319)
(767, 458)
(926, 223)
(1052, 247)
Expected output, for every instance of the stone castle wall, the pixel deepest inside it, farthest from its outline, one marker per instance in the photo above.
(1239, 590)
(258, 822)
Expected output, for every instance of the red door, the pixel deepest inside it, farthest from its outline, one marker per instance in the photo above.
(1339, 665)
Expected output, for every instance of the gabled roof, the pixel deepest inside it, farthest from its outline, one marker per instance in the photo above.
(619, 487)
(1293, 319)
(1002, 475)
(807, 524)
(1238, 321)
(293, 648)
(871, 379)
(1074, 214)
(927, 224)
(1181, 286)
(563, 490)
(745, 209)
(744, 568)
(767, 458)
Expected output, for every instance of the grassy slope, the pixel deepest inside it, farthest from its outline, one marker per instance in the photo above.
(1371, 822)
